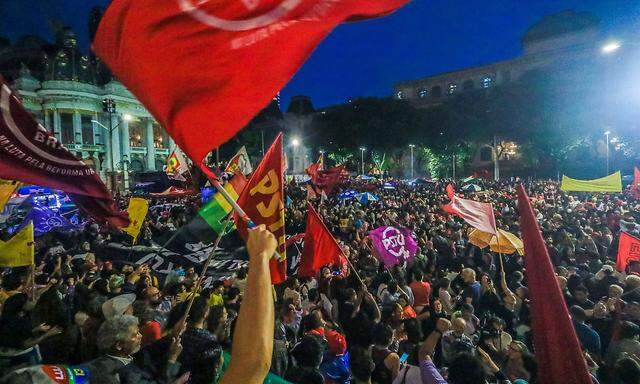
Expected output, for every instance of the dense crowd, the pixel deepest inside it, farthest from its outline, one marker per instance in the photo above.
(456, 314)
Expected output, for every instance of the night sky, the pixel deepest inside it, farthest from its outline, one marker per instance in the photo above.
(365, 59)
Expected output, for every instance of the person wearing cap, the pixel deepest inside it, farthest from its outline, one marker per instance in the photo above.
(335, 362)
(118, 306)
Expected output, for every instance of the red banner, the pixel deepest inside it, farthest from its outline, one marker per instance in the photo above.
(262, 200)
(628, 250)
(320, 248)
(30, 154)
(205, 68)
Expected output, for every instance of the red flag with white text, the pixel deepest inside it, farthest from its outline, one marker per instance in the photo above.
(204, 69)
(262, 200)
(30, 154)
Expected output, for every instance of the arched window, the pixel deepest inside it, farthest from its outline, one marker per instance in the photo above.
(436, 91)
(423, 93)
(400, 95)
(467, 85)
(453, 87)
(487, 82)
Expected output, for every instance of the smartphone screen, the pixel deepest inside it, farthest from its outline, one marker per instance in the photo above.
(404, 358)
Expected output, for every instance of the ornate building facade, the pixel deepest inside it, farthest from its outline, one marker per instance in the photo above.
(92, 114)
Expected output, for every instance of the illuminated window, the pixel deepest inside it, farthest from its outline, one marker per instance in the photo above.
(400, 95)
(422, 93)
(487, 82)
(452, 88)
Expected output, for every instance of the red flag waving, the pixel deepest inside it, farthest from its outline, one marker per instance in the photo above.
(320, 248)
(262, 200)
(205, 68)
(476, 214)
(28, 153)
(628, 250)
(557, 349)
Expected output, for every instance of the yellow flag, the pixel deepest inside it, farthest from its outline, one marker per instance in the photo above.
(7, 187)
(19, 250)
(137, 212)
(611, 183)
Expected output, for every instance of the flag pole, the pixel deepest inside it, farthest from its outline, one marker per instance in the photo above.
(181, 324)
(243, 215)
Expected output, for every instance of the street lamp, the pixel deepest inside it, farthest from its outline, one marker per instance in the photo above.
(110, 138)
(411, 146)
(607, 133)
(362, 149)
(295, 141)
(611, 47)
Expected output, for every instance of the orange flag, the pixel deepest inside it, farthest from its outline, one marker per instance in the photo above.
(262, 200)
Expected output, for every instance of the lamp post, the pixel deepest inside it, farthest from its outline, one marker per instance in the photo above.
(606, 134)
(411, 146)
(496, 162)
(109, 106)
(362, 149)
(453, 167)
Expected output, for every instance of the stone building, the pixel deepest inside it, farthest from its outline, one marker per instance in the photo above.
(68, 92)
(557, 41)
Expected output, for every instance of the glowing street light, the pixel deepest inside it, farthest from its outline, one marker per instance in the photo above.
(611, 47)
(362, 149)
(127, 117)
(295, 141)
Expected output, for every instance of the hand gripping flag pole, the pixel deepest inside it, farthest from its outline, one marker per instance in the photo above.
(243, 215)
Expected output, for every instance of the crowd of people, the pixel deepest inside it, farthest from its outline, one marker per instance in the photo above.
(455, 314)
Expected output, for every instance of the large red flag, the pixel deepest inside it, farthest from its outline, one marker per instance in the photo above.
(628, 250)
(557, 349)
(205, 68)
(262, 200)
(476, 214)
(320, 248)
(28, 153)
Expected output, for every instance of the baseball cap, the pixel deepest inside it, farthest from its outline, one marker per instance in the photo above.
(117, 305)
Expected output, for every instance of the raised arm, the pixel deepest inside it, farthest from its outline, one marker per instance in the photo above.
(253, 338)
